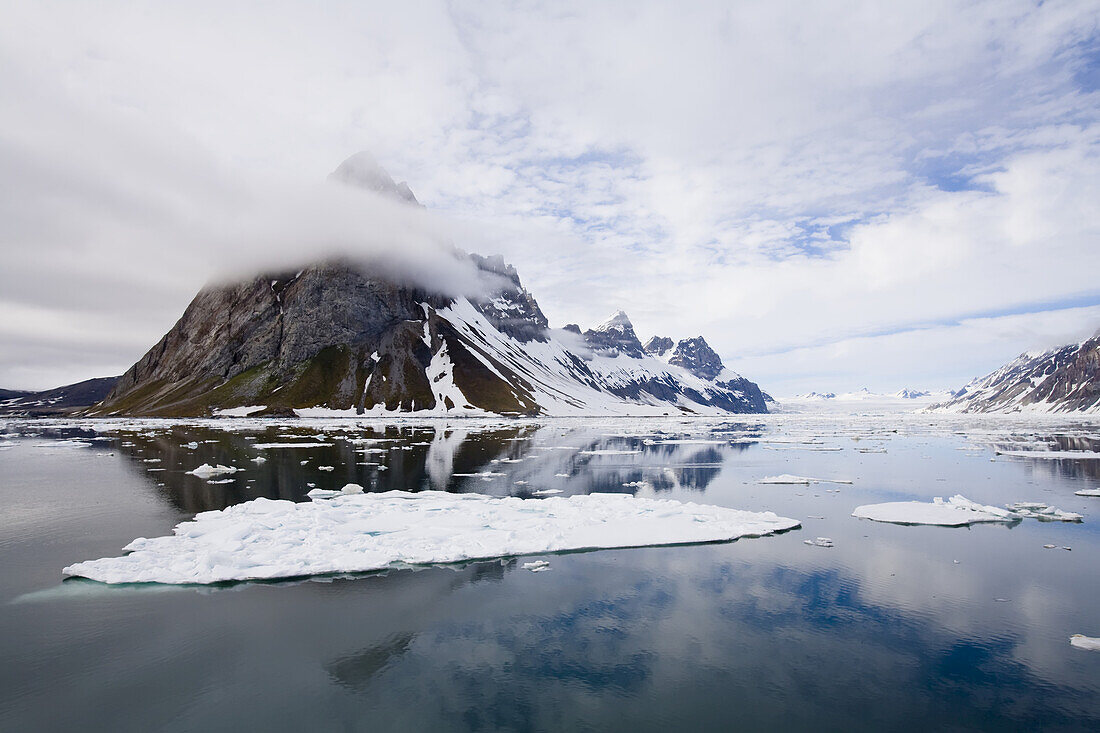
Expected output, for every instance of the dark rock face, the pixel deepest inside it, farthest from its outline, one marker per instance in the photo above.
(512, 310)
(572, 328)
(615, 336)
(58, 401)
(658, 345)
(697, 357)
(1066, 379)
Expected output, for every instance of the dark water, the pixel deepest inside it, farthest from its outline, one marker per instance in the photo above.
(894, 628)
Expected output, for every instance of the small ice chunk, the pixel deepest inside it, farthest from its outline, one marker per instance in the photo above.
(1088, 492)
(546, 492)
(1080, 455)
(326, 468)
(1085, 642)
(537, 566)
(1050, 547)
(561, 475)
(819, 542)
(263, 446)
(787, 478)
(259, 459)
(351, 489)
(207, 471)
(1042, 512)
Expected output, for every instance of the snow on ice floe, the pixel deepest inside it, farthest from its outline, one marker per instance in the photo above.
(1085, 642)
(954, 512)
(787, 478)
(959, 511)
(265, 539)
(1052, 454)
(1088, 492)
(1042, 512)
(290, 445)
(207, 471)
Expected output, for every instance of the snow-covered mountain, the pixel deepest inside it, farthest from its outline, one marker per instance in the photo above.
(340, 337)
(1063, 379)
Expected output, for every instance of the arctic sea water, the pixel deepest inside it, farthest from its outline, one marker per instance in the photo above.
(887, 626)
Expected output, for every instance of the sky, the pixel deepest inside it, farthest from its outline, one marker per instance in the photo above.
(836, 195)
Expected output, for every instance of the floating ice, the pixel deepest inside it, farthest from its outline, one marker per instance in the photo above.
(259, 459)
(207, 471)
(537, 566)
(819, 542)
(609, 452)
(265, 538)
(291, 445)
(954, 512)
(958, 511)
(326, 468)
(546, 492)
(787, 478)
(1060, 454)
(1042, 512)
(1085, 642)
(1088, 492)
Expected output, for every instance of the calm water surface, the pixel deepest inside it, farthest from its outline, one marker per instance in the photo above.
(894, 628)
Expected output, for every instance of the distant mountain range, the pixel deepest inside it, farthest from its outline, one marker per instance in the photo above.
(865, 394)
(59, 401)
(341, 337)
(1063, 379)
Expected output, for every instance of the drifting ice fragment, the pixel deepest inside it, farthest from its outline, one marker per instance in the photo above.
(1080, 455)
(819, 542)
(537, 566)
(1088, 492)
(958, 511)
(208, 471)
(546, 492)
(787, 478)
(1085, 642)
(954, 512)
(265, 538)
(1042, 512)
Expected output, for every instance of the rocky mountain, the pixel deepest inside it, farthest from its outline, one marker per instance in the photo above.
(58, 401)
(615, 336)
(1064, 379)
(658, 345)
(342, 337)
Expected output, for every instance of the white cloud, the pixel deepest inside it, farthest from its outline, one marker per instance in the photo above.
(763, 173)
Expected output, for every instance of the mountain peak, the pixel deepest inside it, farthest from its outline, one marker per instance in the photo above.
(615, 336)
(696, 356)
(658, 345)
(617, 322)
(363, 171)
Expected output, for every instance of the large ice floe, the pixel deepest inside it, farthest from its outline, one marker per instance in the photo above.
(266, 539)
(959, 511)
